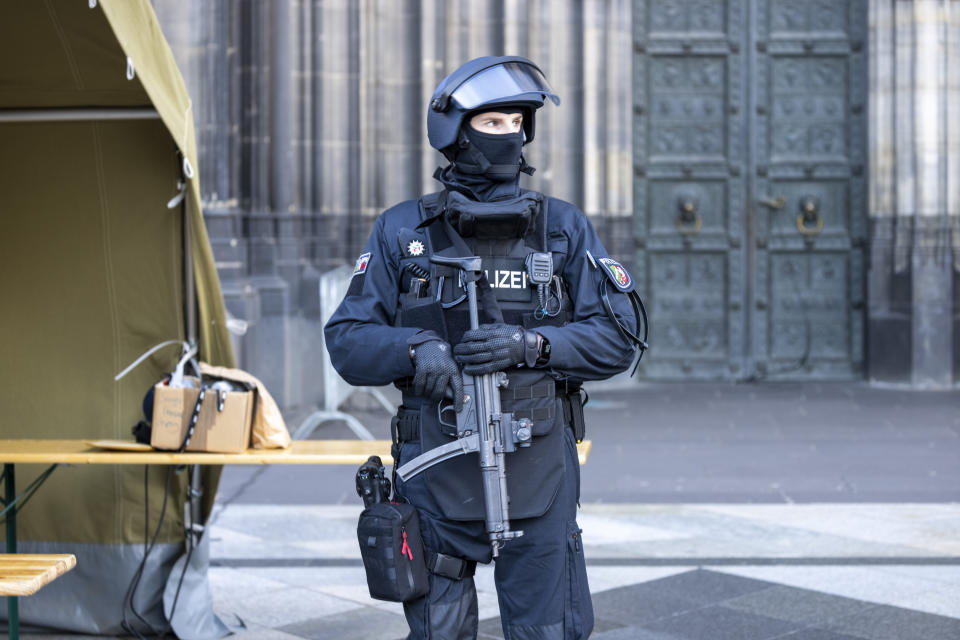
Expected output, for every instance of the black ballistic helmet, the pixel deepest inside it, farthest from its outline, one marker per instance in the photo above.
(481, 85)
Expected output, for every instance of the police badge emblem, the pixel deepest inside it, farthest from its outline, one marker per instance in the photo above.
(415, 248)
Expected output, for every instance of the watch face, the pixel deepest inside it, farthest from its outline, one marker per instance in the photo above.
(543, 353)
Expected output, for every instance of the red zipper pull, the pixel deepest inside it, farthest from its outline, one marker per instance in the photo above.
(405, 549)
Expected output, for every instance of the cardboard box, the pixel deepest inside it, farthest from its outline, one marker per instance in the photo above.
(226, 431)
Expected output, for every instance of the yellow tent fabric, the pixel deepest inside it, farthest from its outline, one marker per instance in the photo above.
(84, 229)
(65, 54)
(136, 28)
(91, 272)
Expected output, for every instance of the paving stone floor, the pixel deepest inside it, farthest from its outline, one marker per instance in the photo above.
(657, 572)
(691, 604)
(700, 604)
(711, 511)
(666, 572)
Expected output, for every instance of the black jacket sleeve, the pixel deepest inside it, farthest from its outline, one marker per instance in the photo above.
(589, 347)
(364, 346)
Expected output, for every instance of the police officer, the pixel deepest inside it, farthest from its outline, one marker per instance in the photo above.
(555, 310)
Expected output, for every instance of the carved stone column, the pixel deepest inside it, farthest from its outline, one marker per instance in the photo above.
(310, 119)
(915, 191)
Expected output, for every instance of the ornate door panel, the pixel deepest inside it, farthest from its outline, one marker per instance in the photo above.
(748, 156)
(807, 253)
(689, 183)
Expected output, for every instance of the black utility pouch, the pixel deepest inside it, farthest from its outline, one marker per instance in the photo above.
(573, 414)
(392, 552)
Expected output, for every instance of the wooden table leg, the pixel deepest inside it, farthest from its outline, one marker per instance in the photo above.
(13, 605)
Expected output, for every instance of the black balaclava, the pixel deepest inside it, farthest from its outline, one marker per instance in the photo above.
(468, 173)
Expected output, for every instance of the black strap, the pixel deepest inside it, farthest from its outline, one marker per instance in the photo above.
(405, 426)
(639, 311)
(573, 413)
(545, 219)
(485, 294)
(450, 566)
(432, 207)
(194, 416)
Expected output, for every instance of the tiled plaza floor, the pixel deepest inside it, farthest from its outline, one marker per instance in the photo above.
(808, 511)
(665, 572)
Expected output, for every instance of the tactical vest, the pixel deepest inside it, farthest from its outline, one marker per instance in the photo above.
(433, 297)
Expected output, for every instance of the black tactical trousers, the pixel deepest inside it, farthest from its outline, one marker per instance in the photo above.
(541, 577)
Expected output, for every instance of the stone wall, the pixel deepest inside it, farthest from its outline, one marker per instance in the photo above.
(310, 119)
(914, 275)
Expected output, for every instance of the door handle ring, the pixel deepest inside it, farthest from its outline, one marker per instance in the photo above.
(689, 229)
(809, 231)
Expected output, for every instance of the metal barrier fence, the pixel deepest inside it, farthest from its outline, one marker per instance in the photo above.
(336, 390)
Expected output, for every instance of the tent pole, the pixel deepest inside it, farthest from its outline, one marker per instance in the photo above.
(66, 114)
(189, 287)
(195, 491)
(13, 603)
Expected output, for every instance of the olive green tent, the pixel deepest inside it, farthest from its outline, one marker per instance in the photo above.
(96, 139)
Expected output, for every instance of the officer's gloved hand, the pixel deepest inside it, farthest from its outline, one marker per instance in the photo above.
(495, 347)
(435, 370)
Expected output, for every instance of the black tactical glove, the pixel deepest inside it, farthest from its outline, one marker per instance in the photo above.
(435, 371)
(495, 347)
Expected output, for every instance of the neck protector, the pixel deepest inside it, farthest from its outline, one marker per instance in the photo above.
(512, 218)
(475, 187)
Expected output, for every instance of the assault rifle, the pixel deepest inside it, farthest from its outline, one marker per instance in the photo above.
(481, 427)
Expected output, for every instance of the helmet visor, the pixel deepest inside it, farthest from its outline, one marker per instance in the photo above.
(502, 83)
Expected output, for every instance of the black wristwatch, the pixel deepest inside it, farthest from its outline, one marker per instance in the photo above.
(531, 350)
(543, 352)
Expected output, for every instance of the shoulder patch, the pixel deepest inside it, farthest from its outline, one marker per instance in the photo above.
(361, 265)
(617, 274)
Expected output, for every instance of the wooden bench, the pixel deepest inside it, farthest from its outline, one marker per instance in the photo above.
(23, 574)
(348, 452)
(19, 573)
